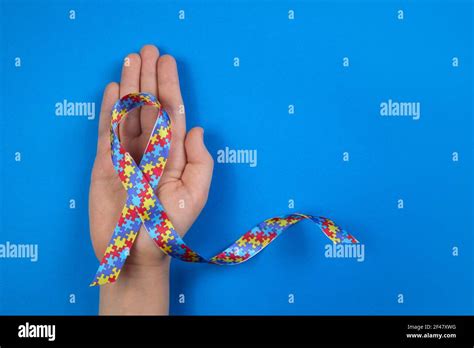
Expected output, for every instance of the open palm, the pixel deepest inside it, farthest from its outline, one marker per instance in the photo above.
(184, 186)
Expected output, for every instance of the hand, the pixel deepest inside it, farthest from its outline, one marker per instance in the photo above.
(184, 185)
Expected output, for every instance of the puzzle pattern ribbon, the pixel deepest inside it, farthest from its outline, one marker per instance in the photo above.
(143, 206)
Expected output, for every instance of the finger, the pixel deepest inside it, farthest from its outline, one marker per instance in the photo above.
(148, 83)
(148, 78)
(111, 94)
(130, 83)
(170, 97)
(197, 174)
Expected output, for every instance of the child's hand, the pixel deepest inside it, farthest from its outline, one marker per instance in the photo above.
(184, 186)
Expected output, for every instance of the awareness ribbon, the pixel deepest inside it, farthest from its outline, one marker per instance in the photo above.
(143, 206)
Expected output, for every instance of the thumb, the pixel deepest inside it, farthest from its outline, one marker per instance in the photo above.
(197, 174)
(196, 151)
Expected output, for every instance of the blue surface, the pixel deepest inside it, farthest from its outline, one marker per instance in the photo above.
(408, 251)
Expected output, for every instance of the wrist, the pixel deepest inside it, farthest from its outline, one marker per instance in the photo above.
(139, 290)
(144, 271)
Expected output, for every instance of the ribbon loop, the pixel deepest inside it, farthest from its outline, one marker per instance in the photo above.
(143, 206)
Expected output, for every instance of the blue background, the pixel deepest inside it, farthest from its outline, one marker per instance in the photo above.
(282, 62)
